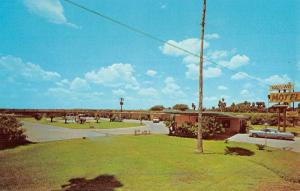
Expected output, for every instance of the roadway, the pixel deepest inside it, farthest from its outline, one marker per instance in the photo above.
(43, 133)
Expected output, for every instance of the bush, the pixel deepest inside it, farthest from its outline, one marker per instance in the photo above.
(210, 128)
(261, 119)
(51, 116)
(38, 116)
(260, 146)
(181, 107)
(11, 133)
(157, 108)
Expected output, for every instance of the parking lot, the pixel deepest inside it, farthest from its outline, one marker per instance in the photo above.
(282, 144)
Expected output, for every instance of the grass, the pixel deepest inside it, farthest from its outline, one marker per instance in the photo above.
(295, 129)
(153, 162)
(103, 124)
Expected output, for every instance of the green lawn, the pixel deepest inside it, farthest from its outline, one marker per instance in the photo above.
(152, 162)
(295, 129)
(103, 124)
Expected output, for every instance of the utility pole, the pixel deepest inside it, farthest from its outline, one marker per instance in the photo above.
(199, 137)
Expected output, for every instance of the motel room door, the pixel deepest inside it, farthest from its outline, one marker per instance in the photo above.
(226, 124)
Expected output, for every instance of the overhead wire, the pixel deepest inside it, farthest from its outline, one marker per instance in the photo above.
(153, 37)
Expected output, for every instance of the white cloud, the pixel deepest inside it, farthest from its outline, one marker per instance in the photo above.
(245, 93)
(192, 45)
(217, 54)
(52, 10)
(190, 59)
(277, 79)
(221, 87)
(212, 36)
(239, 76)
(63, 83)
(14, 67)
(248, 86)
(79, 84)
(65, 93)
(163, 6)
(148, 92)
(171, 88)
(210, 98)
(192, 71)
(115, 75)
(119, 92)
(151, 73)
(211, 72)
(236, 61)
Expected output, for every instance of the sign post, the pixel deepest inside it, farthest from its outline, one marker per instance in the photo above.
(284, 97)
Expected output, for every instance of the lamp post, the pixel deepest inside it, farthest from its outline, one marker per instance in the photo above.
(121, 103)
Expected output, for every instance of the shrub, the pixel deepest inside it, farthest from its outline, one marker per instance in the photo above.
(51, 116)
(260, 146)
(181, 107)
(11, 133)
(38, 116)
(260, 119)
(210, 128)
(157, 108)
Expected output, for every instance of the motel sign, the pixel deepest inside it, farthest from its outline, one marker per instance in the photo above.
(285, 97)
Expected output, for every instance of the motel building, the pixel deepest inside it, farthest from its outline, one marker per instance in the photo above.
(232, 124)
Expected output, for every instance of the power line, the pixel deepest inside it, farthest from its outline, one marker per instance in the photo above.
(151, 36)
(129, 27)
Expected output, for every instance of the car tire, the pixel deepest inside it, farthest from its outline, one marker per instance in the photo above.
(254, 135)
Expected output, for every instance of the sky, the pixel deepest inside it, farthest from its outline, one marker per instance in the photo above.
(55, 55)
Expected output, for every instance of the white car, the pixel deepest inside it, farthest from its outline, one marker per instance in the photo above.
(271, 133)
(155, 120)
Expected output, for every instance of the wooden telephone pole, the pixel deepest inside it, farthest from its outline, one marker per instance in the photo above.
(200, 108)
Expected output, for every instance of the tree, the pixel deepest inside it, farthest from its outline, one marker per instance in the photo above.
(210, 128)
(38, 116)
(193, 106)
(11, 132)
(51, 116)
(97, 117)
(157, 108)
(65, 117)
(222, 104)
(181, 107)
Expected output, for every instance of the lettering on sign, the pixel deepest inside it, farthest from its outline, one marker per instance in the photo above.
(285, 97)
(292, 114)
(288, 86)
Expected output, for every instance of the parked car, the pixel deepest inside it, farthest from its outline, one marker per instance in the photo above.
(117, 119)
(271, 133)
(155, 120)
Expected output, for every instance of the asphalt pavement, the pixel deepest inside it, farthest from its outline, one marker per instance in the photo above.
(43, 133)
(276, 143)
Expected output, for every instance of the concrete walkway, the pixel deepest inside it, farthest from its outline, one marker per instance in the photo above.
(43, 133)
(282, 144)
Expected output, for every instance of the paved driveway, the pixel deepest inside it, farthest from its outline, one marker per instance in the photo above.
(282, 144)
(42, 133)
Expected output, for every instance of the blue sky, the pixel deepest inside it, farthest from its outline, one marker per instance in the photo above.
(54, 55)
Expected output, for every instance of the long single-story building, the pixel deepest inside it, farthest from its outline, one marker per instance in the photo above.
(232, 123)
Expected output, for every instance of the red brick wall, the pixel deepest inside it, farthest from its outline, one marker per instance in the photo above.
(180, 119)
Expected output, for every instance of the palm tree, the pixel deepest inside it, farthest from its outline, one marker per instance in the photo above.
(193, 106)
